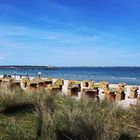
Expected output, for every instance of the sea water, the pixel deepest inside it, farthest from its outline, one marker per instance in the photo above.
(130, 75)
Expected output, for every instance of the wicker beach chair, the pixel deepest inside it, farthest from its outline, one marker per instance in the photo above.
(85, 83)
(25, 81)
(91, 93)
(120, 93)
(56, 88)
(33, 86)
(40, 83)
(88, 84)
(74, 87)
(16, 83)
(133, 92)
(90, 90)
(59, 83)
(110, 94)
(7, 81)
(48, 82)
(104, 85)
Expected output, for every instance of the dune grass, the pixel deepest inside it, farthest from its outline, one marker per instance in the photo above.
(52, 116)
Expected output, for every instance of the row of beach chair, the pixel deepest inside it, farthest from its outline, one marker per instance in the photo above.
(86, 87)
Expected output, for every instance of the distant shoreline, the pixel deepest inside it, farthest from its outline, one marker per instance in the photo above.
(39, 66)
(27, 67)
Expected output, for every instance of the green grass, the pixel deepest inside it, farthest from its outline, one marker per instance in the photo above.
(18, 127)
(59, 117)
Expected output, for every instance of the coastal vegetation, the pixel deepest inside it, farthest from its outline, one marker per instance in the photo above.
(46, 115)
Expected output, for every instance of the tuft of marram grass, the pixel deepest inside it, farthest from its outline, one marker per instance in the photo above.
(67, 118)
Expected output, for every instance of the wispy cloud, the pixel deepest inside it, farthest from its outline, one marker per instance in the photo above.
(19, 33)
(23, 37)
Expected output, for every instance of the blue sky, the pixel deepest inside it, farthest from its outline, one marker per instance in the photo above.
(70, 32)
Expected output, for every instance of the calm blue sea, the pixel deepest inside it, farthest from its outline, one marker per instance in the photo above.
(130, 75)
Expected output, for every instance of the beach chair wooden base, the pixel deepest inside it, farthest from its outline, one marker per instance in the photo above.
(56, 89)
(73, 91)
(75, 94)
(111, 97)
(33, 88)
(91, 93)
